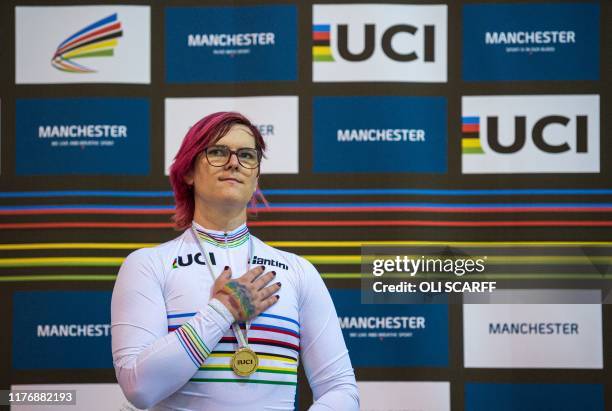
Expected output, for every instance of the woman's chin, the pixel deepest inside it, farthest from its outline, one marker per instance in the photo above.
(229, 199)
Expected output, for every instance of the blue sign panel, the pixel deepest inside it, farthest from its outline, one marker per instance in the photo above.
(392, 335)
(231, 44)
(545, 41)
(534, 397)
(98, 136)
(380, 134)
(61, 329)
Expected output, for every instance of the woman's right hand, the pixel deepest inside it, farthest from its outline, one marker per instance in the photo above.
(248, 296)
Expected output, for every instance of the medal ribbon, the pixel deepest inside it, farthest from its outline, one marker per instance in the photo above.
(240, 337)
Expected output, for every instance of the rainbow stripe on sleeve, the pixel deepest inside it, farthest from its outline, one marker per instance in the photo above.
(193, 344)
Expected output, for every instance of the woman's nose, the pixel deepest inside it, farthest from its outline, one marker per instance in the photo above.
(233, 160)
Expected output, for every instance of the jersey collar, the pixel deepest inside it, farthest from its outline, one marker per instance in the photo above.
(230, 239)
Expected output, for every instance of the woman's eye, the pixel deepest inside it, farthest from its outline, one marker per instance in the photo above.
(247, 155)
(216, 152)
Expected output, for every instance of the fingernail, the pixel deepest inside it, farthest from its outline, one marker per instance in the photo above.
(273, 273)
(263, 268)
(278, 283)
(226, 268)
(277, 297)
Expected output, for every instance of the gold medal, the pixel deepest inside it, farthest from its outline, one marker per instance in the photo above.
(244, 362)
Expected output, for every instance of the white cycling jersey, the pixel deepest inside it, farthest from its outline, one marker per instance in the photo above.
(172, 345)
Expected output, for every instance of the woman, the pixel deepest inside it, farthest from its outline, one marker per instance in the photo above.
(176, 308)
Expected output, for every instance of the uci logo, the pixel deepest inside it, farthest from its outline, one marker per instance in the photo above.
(530, 134)
(379, 42)
(537, 134)
(187, 260)
(392, 42)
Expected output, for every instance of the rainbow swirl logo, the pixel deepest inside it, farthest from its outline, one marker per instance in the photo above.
(99, 39)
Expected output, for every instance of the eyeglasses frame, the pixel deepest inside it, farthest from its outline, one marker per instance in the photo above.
(234, 152)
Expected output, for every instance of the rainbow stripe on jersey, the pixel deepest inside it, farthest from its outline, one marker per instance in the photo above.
(275, 339)
(232, 239)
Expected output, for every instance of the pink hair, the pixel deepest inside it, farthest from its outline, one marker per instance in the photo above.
(201, 135)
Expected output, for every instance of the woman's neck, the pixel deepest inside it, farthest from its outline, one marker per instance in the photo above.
(220, 219)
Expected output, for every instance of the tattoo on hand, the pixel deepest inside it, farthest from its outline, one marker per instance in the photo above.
(240, 298)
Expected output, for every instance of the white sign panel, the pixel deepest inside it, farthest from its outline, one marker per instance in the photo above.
(532, 335)
(90, 397)
(530, 134)
(276, 118)
(409, 396)
(379, 42)
(82, 44)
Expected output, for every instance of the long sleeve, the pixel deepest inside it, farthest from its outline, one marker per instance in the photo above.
(324, 354)
(149, 362)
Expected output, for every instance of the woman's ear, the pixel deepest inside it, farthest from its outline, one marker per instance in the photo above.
(188, 179)
(256, 185)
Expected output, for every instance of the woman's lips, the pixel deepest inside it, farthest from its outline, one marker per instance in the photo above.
(230, 179)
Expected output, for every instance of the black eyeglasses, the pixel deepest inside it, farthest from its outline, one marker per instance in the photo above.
(219, 156)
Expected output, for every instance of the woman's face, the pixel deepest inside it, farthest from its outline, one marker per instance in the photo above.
(230, 185)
